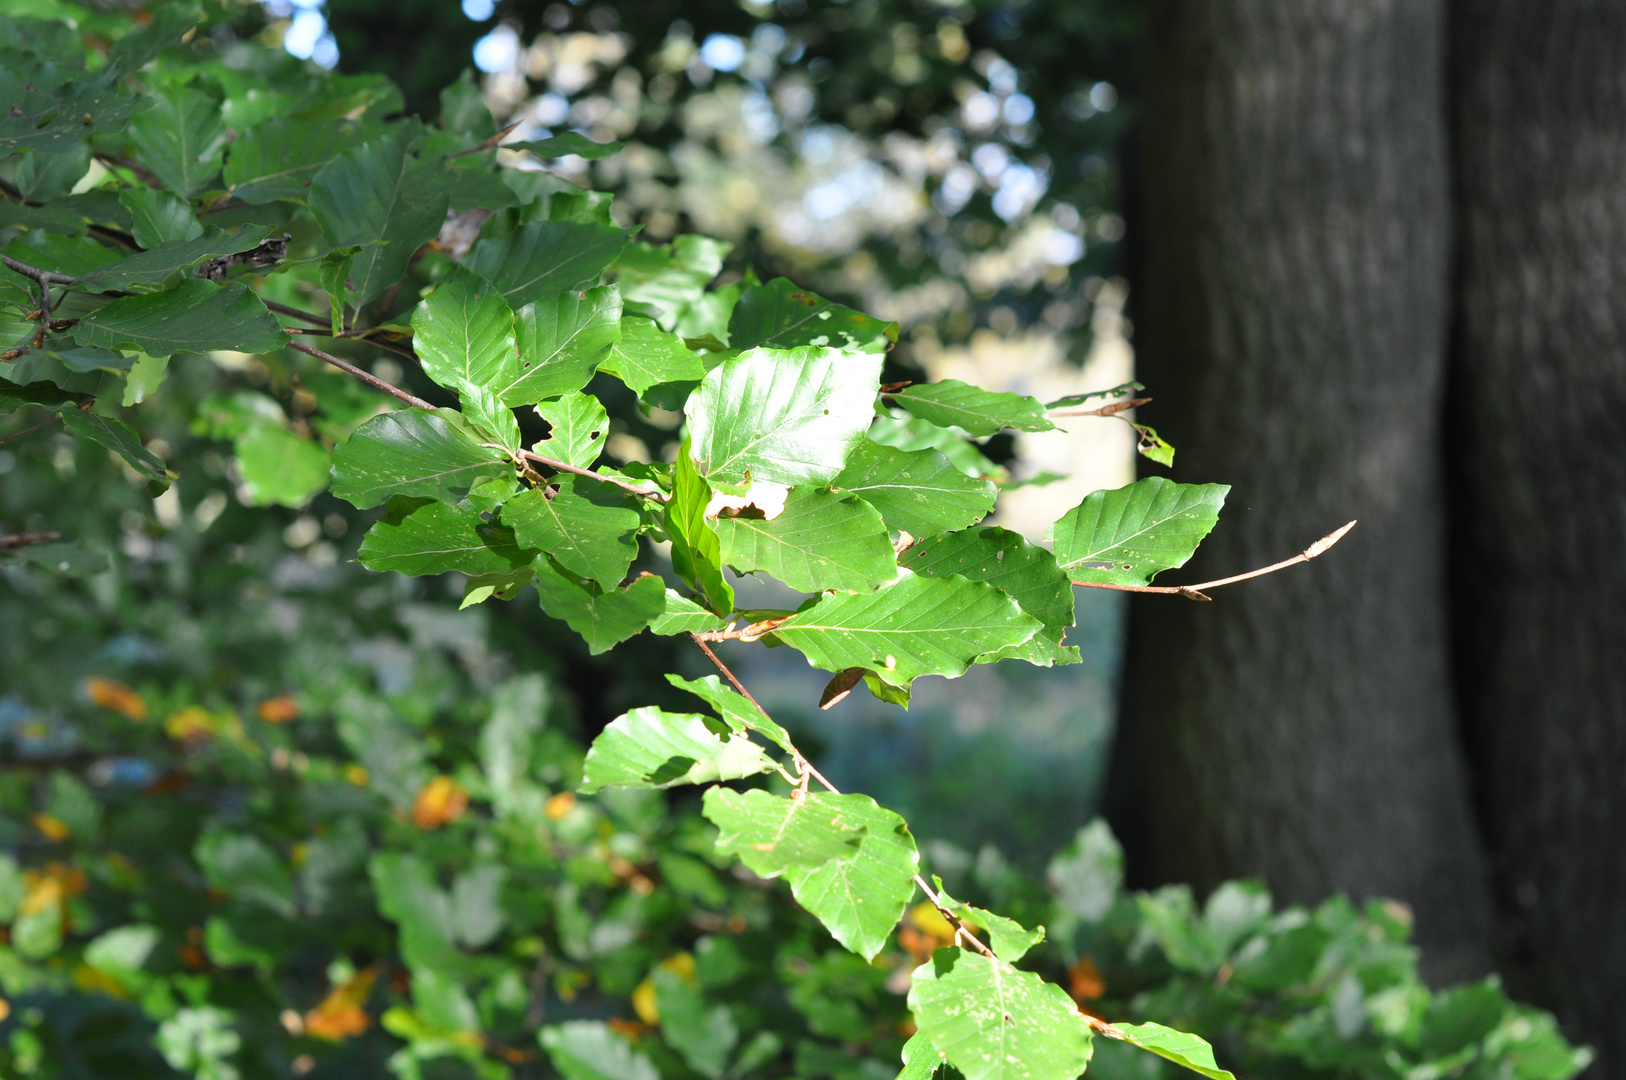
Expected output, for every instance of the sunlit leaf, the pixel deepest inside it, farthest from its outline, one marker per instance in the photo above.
(561, 342)
(819, 541)
(1129, 535)
(917, 491)
(437, 538)
(779, 315)
(464, 332)
(952, 403)
(587, 526)
(412, 452)
(653, 748)
(543, 258)
(1177, 1046)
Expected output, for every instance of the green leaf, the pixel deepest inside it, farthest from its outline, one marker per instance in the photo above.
(493, 420)
(52, 121)
(917, 491)
(736, 712)
(437, 538)
(590, 528)
(952, 403)
(567, 143)
(790, 417)
(464, 332)
(246, 868)
(920, 1060)
(589, 1050)
(505, 586)
(648, 356)
(1129, 535)
(182, 138)
(604, 618)
(779, 315)
(696, 551)
(653, 748)
(1007, 937)
(1087, 876)
(771, 834)
(169, 23)
(819, 541)
(1025, 572)
(334, 275)
(278, 158)
(704, 1036)
(561, 341)
(377, 197)
(195, 316)
(153, 267)
(673, 279)
(1121, 390)
(279, 467)
(1177, 1046)
(542, 258)
(684, 616)
(118, 437)
(409, 897)
(860, 900)
(1152, 445)
(993, 1022)
(579, 427)
(157, 217)
(412, 452)
(915, 626)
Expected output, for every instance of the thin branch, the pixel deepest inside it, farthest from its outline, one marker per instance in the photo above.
(365, 376)
(47, 422)
(295, 313)
(14, 541)
(806, 768)
(565, 466)
(1105, 410)
(327, 325)
(41, 277)
(1195, 592)
(489, 144)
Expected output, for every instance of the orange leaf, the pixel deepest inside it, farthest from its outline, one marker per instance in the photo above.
(116, 696)
(279, 710)
(55, 829)
(340, 1014)
(559, 805)
(441, 802)
(1085, 977)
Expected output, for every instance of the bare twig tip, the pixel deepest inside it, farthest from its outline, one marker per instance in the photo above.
(1327, 541)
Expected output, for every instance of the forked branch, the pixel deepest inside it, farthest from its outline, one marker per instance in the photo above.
(1195, 592)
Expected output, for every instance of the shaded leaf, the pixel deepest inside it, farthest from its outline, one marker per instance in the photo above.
(915, 626)
(917, 491)
(153, 267)
(118, 437)
(278, 158)
(182, 138)
(567, 143)
(195, 316)
(819, 541)
(1128, 535)
(653, 748)
(542, 258)
(993, 1022)
(378, 198)
(437, 538)
(779, 315)
(588, 527)
(703, 1036)
(789, 417)
(412, 452)
(561, 341)
(604, 618)
(952, 403)
(53, 120)
(157, 217)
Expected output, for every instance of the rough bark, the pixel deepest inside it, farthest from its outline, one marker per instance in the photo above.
(1293, 332)
(1538, 424)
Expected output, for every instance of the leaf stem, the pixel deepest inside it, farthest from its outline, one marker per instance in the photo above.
(365, 376)
(13, 541)
(489, 144)
(1195, 592)
(565, 466)
(1105, 410)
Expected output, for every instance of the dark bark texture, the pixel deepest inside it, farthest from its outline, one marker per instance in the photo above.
(1538, 422)
(1293, 331)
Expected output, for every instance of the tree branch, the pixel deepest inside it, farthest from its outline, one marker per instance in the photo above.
(566, 467)
(1105, 410)
(365, 376)
(489, 144)
(40, 277)
(13, 541)
(1195, 592)
(47, 422)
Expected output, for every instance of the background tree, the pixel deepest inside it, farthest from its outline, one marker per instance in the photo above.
(1537, 395)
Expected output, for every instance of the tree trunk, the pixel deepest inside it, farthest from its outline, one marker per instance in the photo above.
(1538, 419)
(1300, 727)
